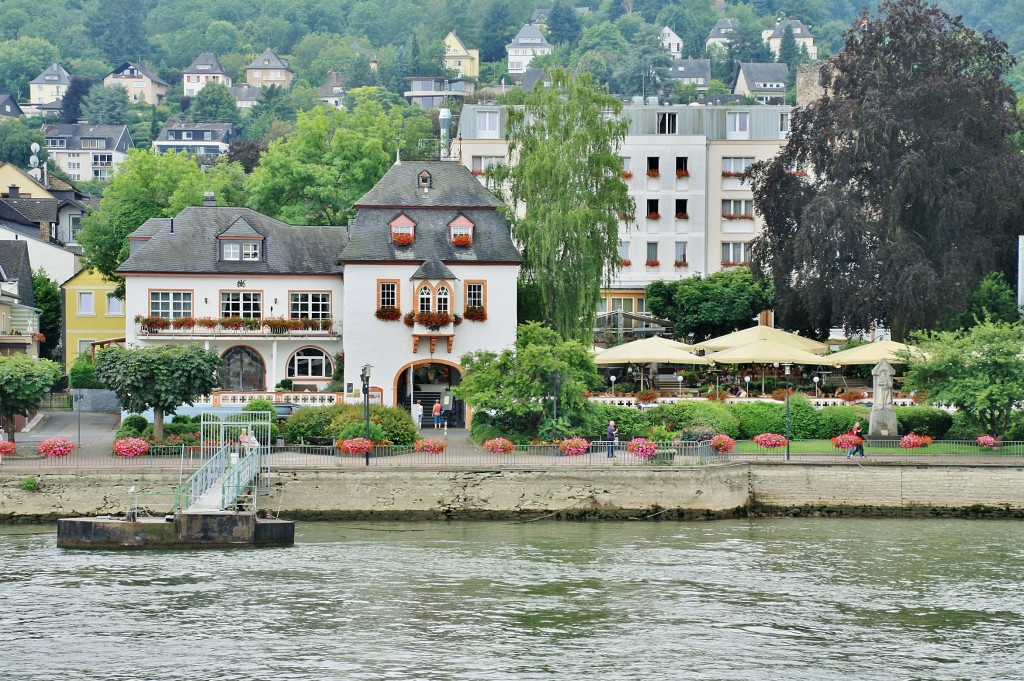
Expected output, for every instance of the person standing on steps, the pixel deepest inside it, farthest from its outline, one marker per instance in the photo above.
(612, 436)
(856, 431)
(417, 414)
(437, 414)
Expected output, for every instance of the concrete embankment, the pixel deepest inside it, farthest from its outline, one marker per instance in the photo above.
(691, 492)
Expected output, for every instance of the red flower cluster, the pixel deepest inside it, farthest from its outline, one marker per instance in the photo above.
(462, 240)
(388, 314)
(475, 314)
(434, 319)
(402, 239)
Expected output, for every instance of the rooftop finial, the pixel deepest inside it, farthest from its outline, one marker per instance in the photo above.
(398, 151)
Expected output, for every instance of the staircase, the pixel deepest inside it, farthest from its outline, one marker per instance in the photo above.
(224, 482)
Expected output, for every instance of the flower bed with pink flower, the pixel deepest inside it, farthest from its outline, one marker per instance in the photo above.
(770, 440)
(722, 443)
(499, 445)
(56, 447)
(846, 441)
(642, 447)
(986, 441)
(574, 446)
(356, 445)
(131, 446)
(6, 448)
(914, 441)
(430, 446)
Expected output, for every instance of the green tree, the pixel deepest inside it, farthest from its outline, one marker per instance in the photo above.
(905, 208)
(497, 28)
(979, 371)
(519, 383)
(710, 306)
(117, 29)
(316, 174)
(788, 52)
(51, 318)
(146, 185)
(24, 384)
(158, 377)
(563, 196)
(994, 300)
(214, 104)
(22, 60)
(107, 105)
(644, 68)
(564, 23)
(16, 138)
(71, 104)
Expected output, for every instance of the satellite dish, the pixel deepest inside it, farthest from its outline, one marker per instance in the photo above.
(33, 161)
(34, 147)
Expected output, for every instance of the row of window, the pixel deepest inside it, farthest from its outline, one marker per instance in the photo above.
(735, 251)
(248, 304)
(241, 250)
(87, 304)
(430, 298)
(730, 207)
(189, 134)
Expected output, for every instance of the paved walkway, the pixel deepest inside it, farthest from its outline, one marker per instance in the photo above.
(83, 428)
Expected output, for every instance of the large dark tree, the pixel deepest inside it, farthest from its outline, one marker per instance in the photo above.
(564, 23)
(913, 189)
(71, 104)
(117, 29)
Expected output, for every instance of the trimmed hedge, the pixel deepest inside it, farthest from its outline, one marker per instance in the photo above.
(930, 421)
(838, 419)
(714, 415)
(136, 422)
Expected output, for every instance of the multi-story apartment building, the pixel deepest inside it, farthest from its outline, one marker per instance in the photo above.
(87, 152)
(694, 215)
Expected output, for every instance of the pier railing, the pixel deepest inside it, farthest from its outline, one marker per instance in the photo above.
(240, 479)
(204, 478)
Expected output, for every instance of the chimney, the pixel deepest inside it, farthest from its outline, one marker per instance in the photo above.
(209, 199)
(13, 192)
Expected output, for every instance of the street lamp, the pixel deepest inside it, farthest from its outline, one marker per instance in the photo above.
(816, 379)
(679, 378)
(556, 381)
(787, 366)
(365, 375)
(747, 379)
(612, 379)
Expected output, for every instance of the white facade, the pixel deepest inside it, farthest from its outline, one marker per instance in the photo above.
(671, 41)
(60, 264)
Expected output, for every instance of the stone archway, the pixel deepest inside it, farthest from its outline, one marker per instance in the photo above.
(431, 379)
(243, 370)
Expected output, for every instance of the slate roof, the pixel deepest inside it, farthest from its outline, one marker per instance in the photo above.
(764, 72)
(269, 60)
(529, 31)
(117, 136)
(15, 262)
(780, 29)
(141, 68)
(193, 247)
(327, 89)
(452, 185)
(7, 100)
(246, 93)
(205, 59)
(722, 29)
(531, 76)
(55, 75)
(433, 269)
(222, 132)
(691, 68)
(34, 210)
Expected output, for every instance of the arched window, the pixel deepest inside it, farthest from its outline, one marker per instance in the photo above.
(426, 299)
(310, 363)
(243, 369)
(443, 299)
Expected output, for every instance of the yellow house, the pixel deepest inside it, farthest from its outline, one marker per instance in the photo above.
(49, 85)
(459, 59)
(90, 314)
(28, 188)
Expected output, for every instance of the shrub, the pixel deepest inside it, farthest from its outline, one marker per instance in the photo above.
(712, 415)
(130, 446)
(83, 374)
(695, 434)
(964, 429)
(396, 423)
(184, 418)
(7, 448)
(136, 422)
(629, 420)
(982, 441)
(260, 404)
(348, 430)
(758, 417)
(30, 484)
(929, 421)
(313, 421)
(723, 444)
(838, 419)
(499, 445)
(56, 447)
(430, 446)
(482, 431)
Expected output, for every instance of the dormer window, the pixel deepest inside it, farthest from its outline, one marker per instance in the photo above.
(403, 230)
(231, 251)
(461, 231)
(424, 180)
(248, 251)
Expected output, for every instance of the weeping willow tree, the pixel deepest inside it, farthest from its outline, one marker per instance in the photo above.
(563, 194)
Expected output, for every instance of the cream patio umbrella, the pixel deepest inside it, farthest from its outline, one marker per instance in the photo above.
(766, 352)
(648, 351)
(871, 353)
(757, 333)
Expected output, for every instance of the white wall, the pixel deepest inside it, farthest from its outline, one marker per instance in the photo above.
(60, 265)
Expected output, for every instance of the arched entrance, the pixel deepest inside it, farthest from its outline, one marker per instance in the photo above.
(430, 380)
(243, 370)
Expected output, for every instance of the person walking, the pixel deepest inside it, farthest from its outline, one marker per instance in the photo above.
(417, 414)
(437, 414)
(856, 431)
(613, 437)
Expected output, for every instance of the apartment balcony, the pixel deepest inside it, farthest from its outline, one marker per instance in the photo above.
(236, 327)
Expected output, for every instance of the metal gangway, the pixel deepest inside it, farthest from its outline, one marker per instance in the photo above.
(235, 474)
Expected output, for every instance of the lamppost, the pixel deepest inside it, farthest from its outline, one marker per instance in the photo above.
(365, 375)
(747, 379)
(816, 380)
(787, 366)
(556, 380)
(612, 379)
(679, 391)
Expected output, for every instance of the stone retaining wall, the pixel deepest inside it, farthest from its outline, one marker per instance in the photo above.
(665, 493)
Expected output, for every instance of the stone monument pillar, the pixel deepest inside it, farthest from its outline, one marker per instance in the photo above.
(883, 419)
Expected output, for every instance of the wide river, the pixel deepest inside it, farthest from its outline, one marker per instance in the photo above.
(749, 599)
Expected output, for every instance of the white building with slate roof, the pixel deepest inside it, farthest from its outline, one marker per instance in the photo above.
(425, 272)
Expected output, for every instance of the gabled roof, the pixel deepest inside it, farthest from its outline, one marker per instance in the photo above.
(269, 60)
(188, 243)
(205, 59)
(763, 72)
(333, 81)
(55, 75)
(240, 229)
(722, 29)
(9, 101)
(34, 210)
(140, 68)
(246, 93)
(691, 68)
(780, 29)
(14, 260)
(117, 136)
(221, 131)
(433, 269)
(532, 75)
(452, 185)
(529, 31)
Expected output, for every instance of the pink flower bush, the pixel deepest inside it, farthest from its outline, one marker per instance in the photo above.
(131, 446)
(430, 446)
(770, 440)
(642, 447)
(914, 441)
(356, 445)
(722, 443)
(499, 445)
(845, 441)
(6, 448)
(56, 447)
(574, 446)
(986, 441)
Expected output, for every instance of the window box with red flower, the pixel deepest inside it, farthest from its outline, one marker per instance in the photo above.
(462, 240)
(737, 216)
(682, 216)
(654, 216)
(278, 324)
(625, 262)
(627, 175)
(153, 323)
(681, 264)
(653, 262)
(731, 173)
(653, 172)
(402, 239)
(206, 323)
(479, 173)
(735, 263)
(682, 172)
(183, 322)
(388, 314)
(475, 314)
(434, 320)
(409, 319)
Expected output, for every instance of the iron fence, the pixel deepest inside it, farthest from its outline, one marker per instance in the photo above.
(57, 402)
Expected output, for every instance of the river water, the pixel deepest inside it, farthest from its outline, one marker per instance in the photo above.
(790, 599)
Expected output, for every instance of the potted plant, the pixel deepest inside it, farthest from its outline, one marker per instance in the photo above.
(152, 323)
(642, 448)
(430, 446)
(648, 396)
(183, 322)
(56, 447)
(681, 264)
(770, 440)
(625, 262)
(574, 446)
(475, 314)
(231, 323)
(409, 319)
(654, 216)
(653, 262)
(627, 175)
(434, 320)
(462, 240)
(499, 445)
(682, 216)
(206, 323)
(388, 314)
(653, 172)
(278, 324)
(722, 443)
(402, 239)
(682, 172)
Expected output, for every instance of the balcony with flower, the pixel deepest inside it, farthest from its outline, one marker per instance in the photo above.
(681, 264)
(234, 327)
(475, 314)
(682, 216)
(654, 216)
(737, 216)
(653, 262)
